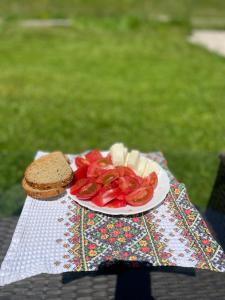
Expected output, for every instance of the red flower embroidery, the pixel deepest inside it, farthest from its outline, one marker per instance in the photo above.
(128, 235)
(119, 224)
(165, 255)
(136, 219)
(145, 249)
(91, 215)
(115, 232)
(92, 246)
(112, 240)
(103, 230)
(205, 242)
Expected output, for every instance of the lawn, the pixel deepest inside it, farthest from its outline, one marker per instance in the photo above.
(104, 80)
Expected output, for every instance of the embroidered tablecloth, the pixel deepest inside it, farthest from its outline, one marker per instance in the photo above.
(59, 236)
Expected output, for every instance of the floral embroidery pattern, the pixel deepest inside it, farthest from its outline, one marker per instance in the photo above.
(173, 234)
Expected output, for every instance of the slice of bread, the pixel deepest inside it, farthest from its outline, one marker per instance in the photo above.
(41, 194)
(48, 172)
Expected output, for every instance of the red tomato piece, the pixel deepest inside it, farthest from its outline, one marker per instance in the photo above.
(105, 196)
(126, 171)
(116, 203)
(96, 168)
(121, 197)
(107, 177)
(78, 185)
(140, 196)
(81, 172)
(112, 185)
(150, 180)
(153, 179)
(127, 184)
(88, 191)
(80, 161)
(93, 155)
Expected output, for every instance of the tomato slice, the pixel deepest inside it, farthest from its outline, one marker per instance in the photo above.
(112, 185)
(107, 177)
(80, 161)
(93, 155)
(126, 171)
(88, 191)
(81, 172)
(78, 185)
(151, 180)
(96, 168)
(116, 203)
(128, 184)
(105, 196)
(140, 196)
(121, 197)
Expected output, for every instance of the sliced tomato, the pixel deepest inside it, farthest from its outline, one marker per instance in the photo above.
(121, 197)
(112, 185)
(105, 196)
(107, 176)
(125, 171)
(81, 172)
(151, 180)
(88, 191)
(140, 196)
(97, 168)
(81, 161)
(93, 155)
(78, 185)
(116, 203)
(128, 184)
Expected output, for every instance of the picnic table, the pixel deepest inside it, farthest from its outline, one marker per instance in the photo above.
(160, 278)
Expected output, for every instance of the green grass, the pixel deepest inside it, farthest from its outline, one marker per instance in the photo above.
(178, 10)
(107, 80)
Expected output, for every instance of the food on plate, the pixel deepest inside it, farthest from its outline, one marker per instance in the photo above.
(47, 176)
(118, 153)
(116, 180)
(132, 159)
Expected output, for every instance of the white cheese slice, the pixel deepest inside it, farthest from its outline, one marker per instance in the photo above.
(152, 167)
(147, 169)
(132, 159)
(118, 152)
(141, 165)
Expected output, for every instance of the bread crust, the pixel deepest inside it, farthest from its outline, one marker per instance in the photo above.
(36, 165)
(41, 194)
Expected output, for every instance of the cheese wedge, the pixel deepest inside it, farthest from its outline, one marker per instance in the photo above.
(151, 166)
(147, 169)
(141, 165)
(132, 159)
(118, 153)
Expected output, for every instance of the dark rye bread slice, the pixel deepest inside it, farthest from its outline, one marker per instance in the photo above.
(41, 194)
(49, 171)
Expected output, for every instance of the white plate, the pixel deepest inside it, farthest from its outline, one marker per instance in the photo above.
(160, 193)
